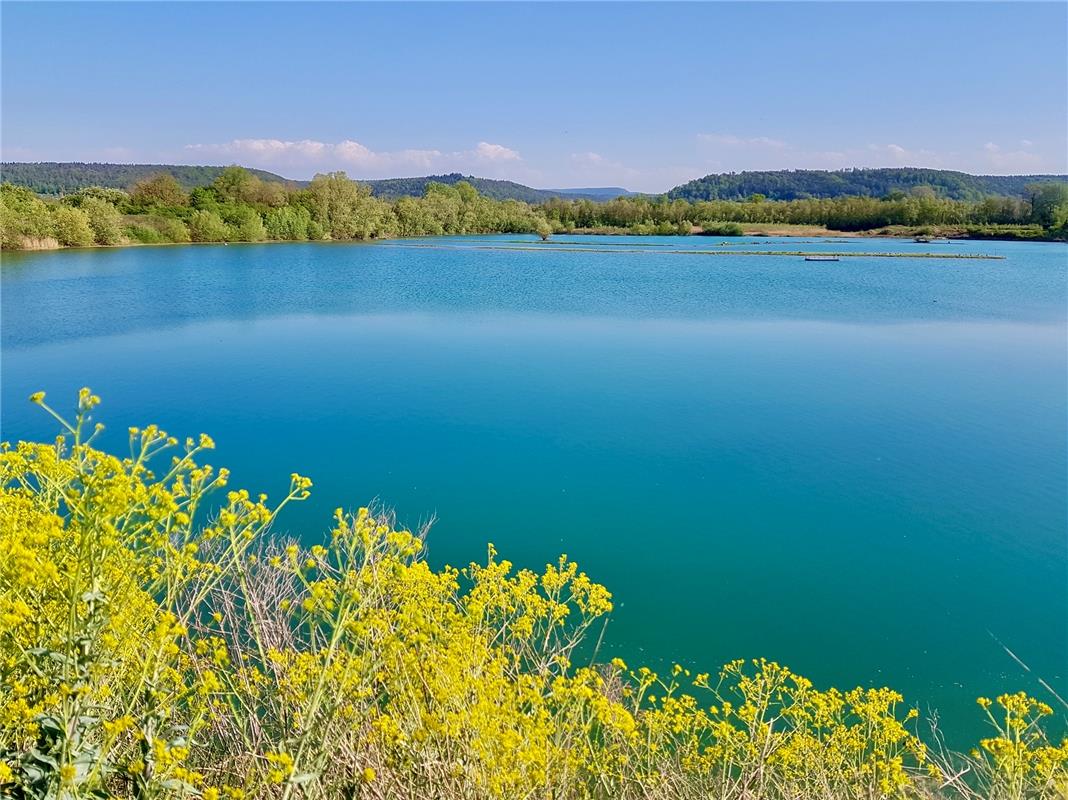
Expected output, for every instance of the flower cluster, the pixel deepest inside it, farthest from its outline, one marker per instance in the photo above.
(156, 641)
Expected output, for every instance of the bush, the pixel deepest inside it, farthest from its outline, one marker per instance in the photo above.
(104, 219)
(197, 656)
(1022, 232)
(143, 234)
(23, 216)
(172, 230)
(116, 197)
(722, 229)
(287, 223)
(154, 229)
(246, 225)
(71, 226)
(207, 226)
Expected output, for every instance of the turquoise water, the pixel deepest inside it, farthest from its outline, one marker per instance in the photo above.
(856, 468)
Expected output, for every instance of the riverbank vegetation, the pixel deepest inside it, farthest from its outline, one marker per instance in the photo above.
(239, 206)
(157, 640)
(1043, 215)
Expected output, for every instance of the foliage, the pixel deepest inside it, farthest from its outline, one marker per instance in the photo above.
(246, 224)
(158, 190)
(63, 178)
(239, 206)
(116, 197)
(815, 183)
(396, 188)
(104, 219)
(1049, 204)
(345, 209)
(207, 226)
(653, 214)
(156, 643)
(721, 229)
(22, 216)
(156, 229)
(71, 226)
(289, 223)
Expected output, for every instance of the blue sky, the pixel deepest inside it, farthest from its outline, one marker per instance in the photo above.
(643, 96)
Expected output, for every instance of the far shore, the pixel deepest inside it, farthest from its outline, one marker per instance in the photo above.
(748, 229)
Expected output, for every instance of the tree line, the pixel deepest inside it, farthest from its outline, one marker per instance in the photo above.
(58, 178)
(239, 206)
(1045, 210)
(801, 184)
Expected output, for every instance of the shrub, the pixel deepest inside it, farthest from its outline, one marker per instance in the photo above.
(288, 223)
(152, 648)
(207, 226)
(173, 230)
(155, 229)
(722, 229)
(142, 233)
(246, 225)
(104, 219)
(71, 226)
(22, 215)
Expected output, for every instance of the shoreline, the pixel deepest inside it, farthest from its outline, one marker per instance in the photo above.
(771, 232)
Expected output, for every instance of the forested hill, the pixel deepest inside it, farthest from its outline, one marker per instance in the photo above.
(59, 178)
(56, 178)
(805, 183)
(393, 188)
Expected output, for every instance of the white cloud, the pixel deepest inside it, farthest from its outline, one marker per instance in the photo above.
(304, 155)
(1012, 160)
(496, 152)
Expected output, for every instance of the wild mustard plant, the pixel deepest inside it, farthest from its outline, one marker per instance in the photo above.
(158, 642)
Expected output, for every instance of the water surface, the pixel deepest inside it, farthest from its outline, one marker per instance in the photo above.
(856, 468)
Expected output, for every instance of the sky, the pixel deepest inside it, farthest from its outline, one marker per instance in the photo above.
(639, 95)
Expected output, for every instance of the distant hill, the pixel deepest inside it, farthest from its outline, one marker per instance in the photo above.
(54, 177)
(802, 183)
(593, 192)
(392, 188)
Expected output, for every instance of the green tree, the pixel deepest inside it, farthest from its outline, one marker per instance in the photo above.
(161, 189)
(346, 210)
(246, 225)
(414, 218)
(207, 226)
(288, 223)
(71, 226)
(117, 197)
(1047, 202)
(236, 183)
(104, 219)
(171, 229)
(23, 215)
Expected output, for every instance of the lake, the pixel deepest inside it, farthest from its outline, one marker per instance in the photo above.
(856, 468)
